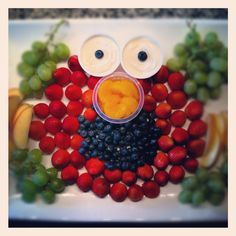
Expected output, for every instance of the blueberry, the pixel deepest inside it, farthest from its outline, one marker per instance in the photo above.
(124, 165)
(99, 125)
(98, 118)
(134, 150)
(91, 147)
(94, 153)
(110, 148)
(107, 129)
(86, 123)
(102, 136)
(133, 167)
(137, 133)
(87, 139)
(140, 162)
(90, 133)
(83, 133)
(142, 56)
(128, 138)
(108, 140)
(82, 127)
(122, 130)
(116, 136)
(82, 150)
(122, 142)
(127, 125)
(123, 152)
(92, 127)
(95, 142)
(81, 119)
(87, 155)
(100, 146)
(99, 54)
(84, 144)
(134, 157)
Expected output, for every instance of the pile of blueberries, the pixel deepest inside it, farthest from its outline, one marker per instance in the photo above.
(121, 146)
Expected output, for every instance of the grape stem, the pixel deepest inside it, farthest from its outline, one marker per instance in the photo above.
(54, 30)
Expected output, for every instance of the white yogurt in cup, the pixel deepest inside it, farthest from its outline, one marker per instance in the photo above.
(99, 55)
(141, 57)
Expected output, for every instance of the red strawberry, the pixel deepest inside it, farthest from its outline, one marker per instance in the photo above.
(47, 144)
(70, 125)
(180, 135)
(100, 187)
(177, 99)
(194, 110)
(135, 193)
(176, 81)
(90, 114)
(163, 110)
(145, 172)
(60, 158)
(191, 165)
(74, 108)
(76, 141)
(129, 177)
(73, 92)
(92, 81)
(165, 143)
(69, 174)
(151, 189)
(161, 161)
(36, 130)
(76, 159)
(73, 63)
(118, 192)
(162, 75)
(197, 128)
(146, 85)
(62, 76)
(164, 125)
(57, 109)
(178, 118)
(52, 125)
(161, 177)
(149, 103)
(78, 78)
(54, 92)
(62, 140)
(196, 147)
(177, 155)
(94, 166)
(85, 182)
(41, 110)
(159, 92)
(112, 176)
(87, 98)
(176, 174)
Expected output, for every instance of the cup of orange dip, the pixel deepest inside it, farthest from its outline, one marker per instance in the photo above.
(118, 98)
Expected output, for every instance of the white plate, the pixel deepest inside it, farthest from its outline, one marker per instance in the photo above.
(73, 205)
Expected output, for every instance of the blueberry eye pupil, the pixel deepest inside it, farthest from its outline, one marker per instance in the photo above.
(142, 56)
(99, 54)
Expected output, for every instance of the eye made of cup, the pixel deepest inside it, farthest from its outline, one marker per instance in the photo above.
(99, 55)
(141, 57)
(118, 98)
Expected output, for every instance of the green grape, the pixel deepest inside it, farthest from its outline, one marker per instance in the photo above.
(28, 197)
(30, 58)
(203, 94)
(35, 83)
(52, 173)
(62, 51)
(35, 156)
(39, 46)
(216, 185)
(28, 168)
(38, 94)
(215, 175)
(44, 72)
(224, 168)
(216, 198)
(180, 50)
(25, 88)
(196, 66)
(190, 183)
(185, 196)
(174, 64)
(214, 79)
(224, 53)
(27, 186)
(218, 64)
(183, 61)
(19, 154)
(211, 54)
(211, 38)
(48, 196)
(53, 57)
(202, 175)
(200, 78)
(51, 64)
(40, 178)
(190, 87)
(215, 92)
(198, 197)
(56, 185)
(25, 70)
(39, 167)
(192, 38)
(205, 190)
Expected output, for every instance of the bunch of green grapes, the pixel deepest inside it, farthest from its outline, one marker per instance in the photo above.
(205, 186)
(38, 64)
(33, 178)
(205, 63)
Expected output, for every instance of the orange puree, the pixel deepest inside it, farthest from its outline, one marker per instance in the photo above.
(118, 97)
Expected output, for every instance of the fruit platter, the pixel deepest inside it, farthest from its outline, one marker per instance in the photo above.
(124, 125)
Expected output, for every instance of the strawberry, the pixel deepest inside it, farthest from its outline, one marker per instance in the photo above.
(92, 81)
(180, 135)
(60, 158)
(54, 92)
(76, 159)
(176, 174)
(159, 92)
(118, 192)
(129, 177)
(52, 125)
(73, 63)
(196, 147)
(87, 98)
(47, 144)
(76, 141)
(74, 108)
(100, 187)
(41, 110)
(94, 166)
(85, 182)
(78, 78)
(90, 114)
(69, 174)
(62, 76)
(197, 128)
(149, 103)
(178, 118)
(191, 165)
(151, 189)
(146, 85)
(163, 110)
(164, 125)
(36, 130)
(165, 143)
(62, 140)
(70, 125)
(135, 193)
(57, 109)
(162, 75)
(177, 155)
(177, 99)
(194, 110)
(73, 92)
(176, 81)
(161, 161)
(145, 172)
(112, 176)
(161, 178)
